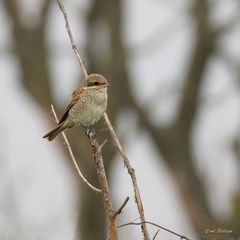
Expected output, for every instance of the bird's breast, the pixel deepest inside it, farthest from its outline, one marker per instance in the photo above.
(89, 108)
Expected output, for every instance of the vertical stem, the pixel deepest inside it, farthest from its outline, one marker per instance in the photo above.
(102, 178)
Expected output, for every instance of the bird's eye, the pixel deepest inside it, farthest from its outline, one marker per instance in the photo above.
(93, 83)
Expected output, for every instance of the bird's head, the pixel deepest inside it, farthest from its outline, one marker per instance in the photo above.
(95, 80)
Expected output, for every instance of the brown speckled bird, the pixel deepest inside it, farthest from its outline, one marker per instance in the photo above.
(88, 103)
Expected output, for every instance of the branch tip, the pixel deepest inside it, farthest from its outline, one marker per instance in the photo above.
(102, 145)
(118, 212)
(155, 235)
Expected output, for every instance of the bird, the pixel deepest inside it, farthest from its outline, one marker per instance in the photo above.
(88, 102)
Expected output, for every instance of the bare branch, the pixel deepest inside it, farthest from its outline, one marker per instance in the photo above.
(84, 180)
(156, 225)
(155, 235)
(131, 172)
(121, 208)
(74, 46)
(102, 178)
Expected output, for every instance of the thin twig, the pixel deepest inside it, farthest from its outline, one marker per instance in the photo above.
(155, 235)
(121, 208)
(84, 180)
(101, 146)
(131, 172)
(156, 225)
(74, 46)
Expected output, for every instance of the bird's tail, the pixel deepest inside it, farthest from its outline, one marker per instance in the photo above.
(53, 133)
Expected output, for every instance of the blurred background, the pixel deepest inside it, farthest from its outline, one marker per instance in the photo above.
(174, 69)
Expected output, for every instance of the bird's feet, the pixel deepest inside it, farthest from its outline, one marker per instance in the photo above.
(90, 131)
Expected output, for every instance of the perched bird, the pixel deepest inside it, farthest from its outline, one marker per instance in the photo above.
(88, 103)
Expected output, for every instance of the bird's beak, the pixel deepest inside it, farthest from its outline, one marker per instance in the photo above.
(108, 85)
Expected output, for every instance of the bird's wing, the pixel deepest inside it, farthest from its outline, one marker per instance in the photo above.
(74, 98)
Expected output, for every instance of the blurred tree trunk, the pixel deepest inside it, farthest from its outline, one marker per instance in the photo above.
(30, 49)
